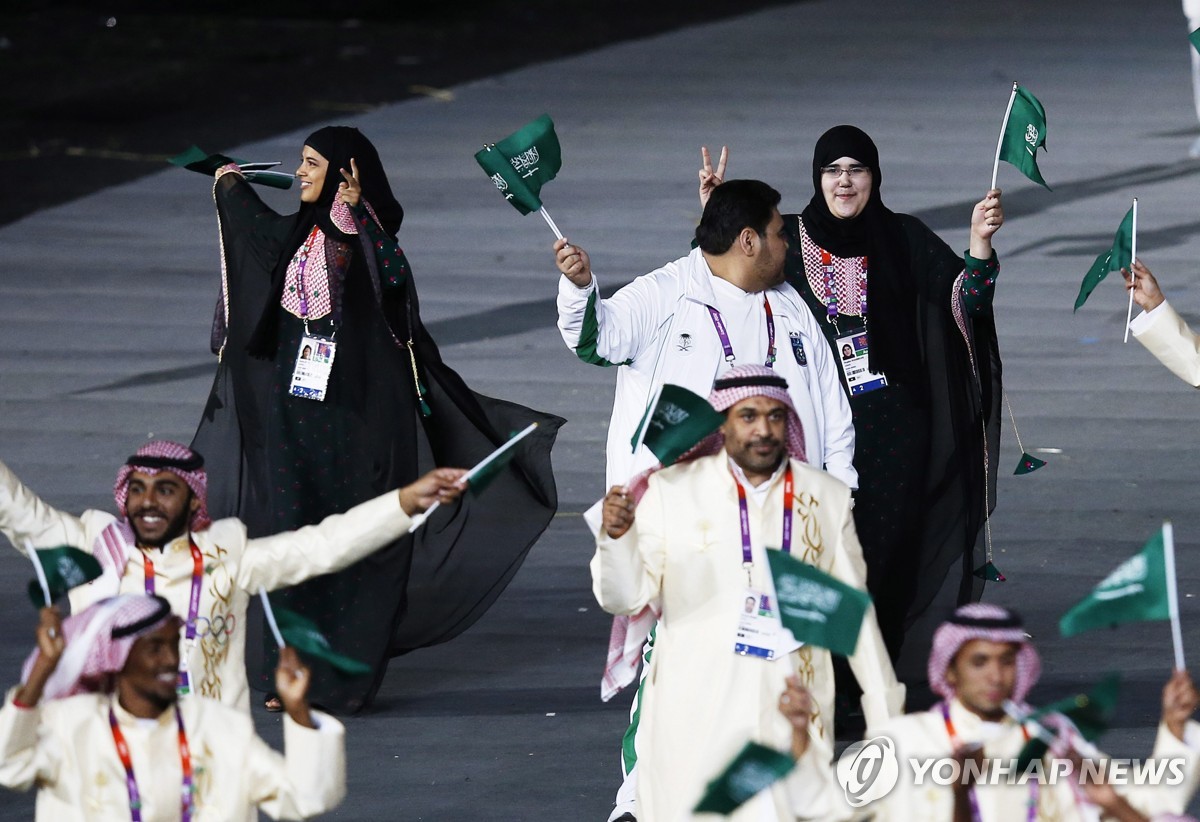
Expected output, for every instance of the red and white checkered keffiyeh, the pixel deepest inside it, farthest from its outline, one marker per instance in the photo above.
(158, 455)
(629, 634)
(982, 621)
(98, 641)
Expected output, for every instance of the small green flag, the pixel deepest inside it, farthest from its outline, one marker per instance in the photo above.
(1135, 592)
(304, 635)
(196, 159)
(65, 568)
(679, 420)
(1194, 38)
(755, 768)
(815, 607)
(1028, 464)
(989, 572)
(1024, 134)
(523, 162)
(1118, 257)
(1092, 713)
(480, 478)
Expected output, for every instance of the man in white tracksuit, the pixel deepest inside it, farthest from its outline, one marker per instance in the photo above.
(724, 304)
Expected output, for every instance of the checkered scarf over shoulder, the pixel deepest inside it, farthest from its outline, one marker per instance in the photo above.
(164, 455)
(981, 621)
(98, 641)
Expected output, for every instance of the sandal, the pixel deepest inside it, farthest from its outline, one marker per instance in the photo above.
(273, 704)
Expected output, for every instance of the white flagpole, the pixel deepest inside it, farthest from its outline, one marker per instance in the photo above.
(1173, 594)
(1132, 257)
(550, 222)
(1003, 128)
(420, 518)
(262, 593)
(39, 570)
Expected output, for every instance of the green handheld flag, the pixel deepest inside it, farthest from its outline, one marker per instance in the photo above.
(521, 163)
(815, 607)
(678, 420)
(1092, 713)
(1194, 39)
(1023, 134)
(1119, 256)
(481, 476)
(1136, 591)
(196, 159)
(304, 635)
(62, 568)
(755, 768)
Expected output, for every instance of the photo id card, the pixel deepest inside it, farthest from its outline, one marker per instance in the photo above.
(758, 627)
(852, 354)
(314, 361)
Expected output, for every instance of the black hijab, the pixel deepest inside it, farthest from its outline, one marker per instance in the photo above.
(878, 234)
(338, 145)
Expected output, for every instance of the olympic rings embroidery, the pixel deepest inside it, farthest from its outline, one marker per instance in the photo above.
(220, 627)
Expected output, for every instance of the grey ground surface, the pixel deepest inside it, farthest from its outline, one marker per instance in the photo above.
(105, 304)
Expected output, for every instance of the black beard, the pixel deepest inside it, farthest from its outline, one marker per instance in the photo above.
(175, 529)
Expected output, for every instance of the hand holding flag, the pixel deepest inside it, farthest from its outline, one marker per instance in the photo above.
(196, 159)
(292, 630)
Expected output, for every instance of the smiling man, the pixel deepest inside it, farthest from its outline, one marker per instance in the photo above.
(164, 543)
(690, 541)
(99, 728)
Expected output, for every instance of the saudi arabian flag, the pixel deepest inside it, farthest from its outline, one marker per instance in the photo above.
(197, 159)
(63, 568)
(1136, 592)
(520, 164)
(304, 635)
(1119, 256)
(481, 476)
(1092, 713)
(1024, 134)
(754, 769)
(815, 607)
(678, 420)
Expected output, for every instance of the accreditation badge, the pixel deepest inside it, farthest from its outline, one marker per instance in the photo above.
(758, 626)
(852, 354)
(314, 361)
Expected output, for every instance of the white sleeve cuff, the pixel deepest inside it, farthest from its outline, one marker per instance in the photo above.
(1143, 321)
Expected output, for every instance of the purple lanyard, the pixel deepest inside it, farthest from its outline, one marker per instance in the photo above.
(727, 346)
(1031, 812)
(185, 762)
(193, 605)
(744, 518)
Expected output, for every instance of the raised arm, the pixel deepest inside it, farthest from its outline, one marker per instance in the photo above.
(24, 516)
(628, 564)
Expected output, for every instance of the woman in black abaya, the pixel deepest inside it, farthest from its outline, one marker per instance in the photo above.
(331, 277)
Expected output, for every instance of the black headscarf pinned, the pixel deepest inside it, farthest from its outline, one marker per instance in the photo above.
(338, 145)
(876, 233)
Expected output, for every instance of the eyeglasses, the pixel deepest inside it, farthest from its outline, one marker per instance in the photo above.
(836, 172)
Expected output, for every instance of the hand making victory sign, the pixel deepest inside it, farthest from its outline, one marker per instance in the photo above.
(349, 190)
(710, 179)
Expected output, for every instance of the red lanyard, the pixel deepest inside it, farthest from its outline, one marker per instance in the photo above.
(185, 761)
(744, 518)
(727, 346)
(193, 604)
(1031, 813)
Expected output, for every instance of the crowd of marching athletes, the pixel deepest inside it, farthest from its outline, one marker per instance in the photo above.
(801, 465)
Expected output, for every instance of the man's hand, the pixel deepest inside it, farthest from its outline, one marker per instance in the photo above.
(1179, 701)
(795, 703)
(710, 179)
(349, 189)
(986, 218)
(1146, 292)
(291, 683)
(618, 512)
(442, 485)
(50, 650)
(573, 262)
